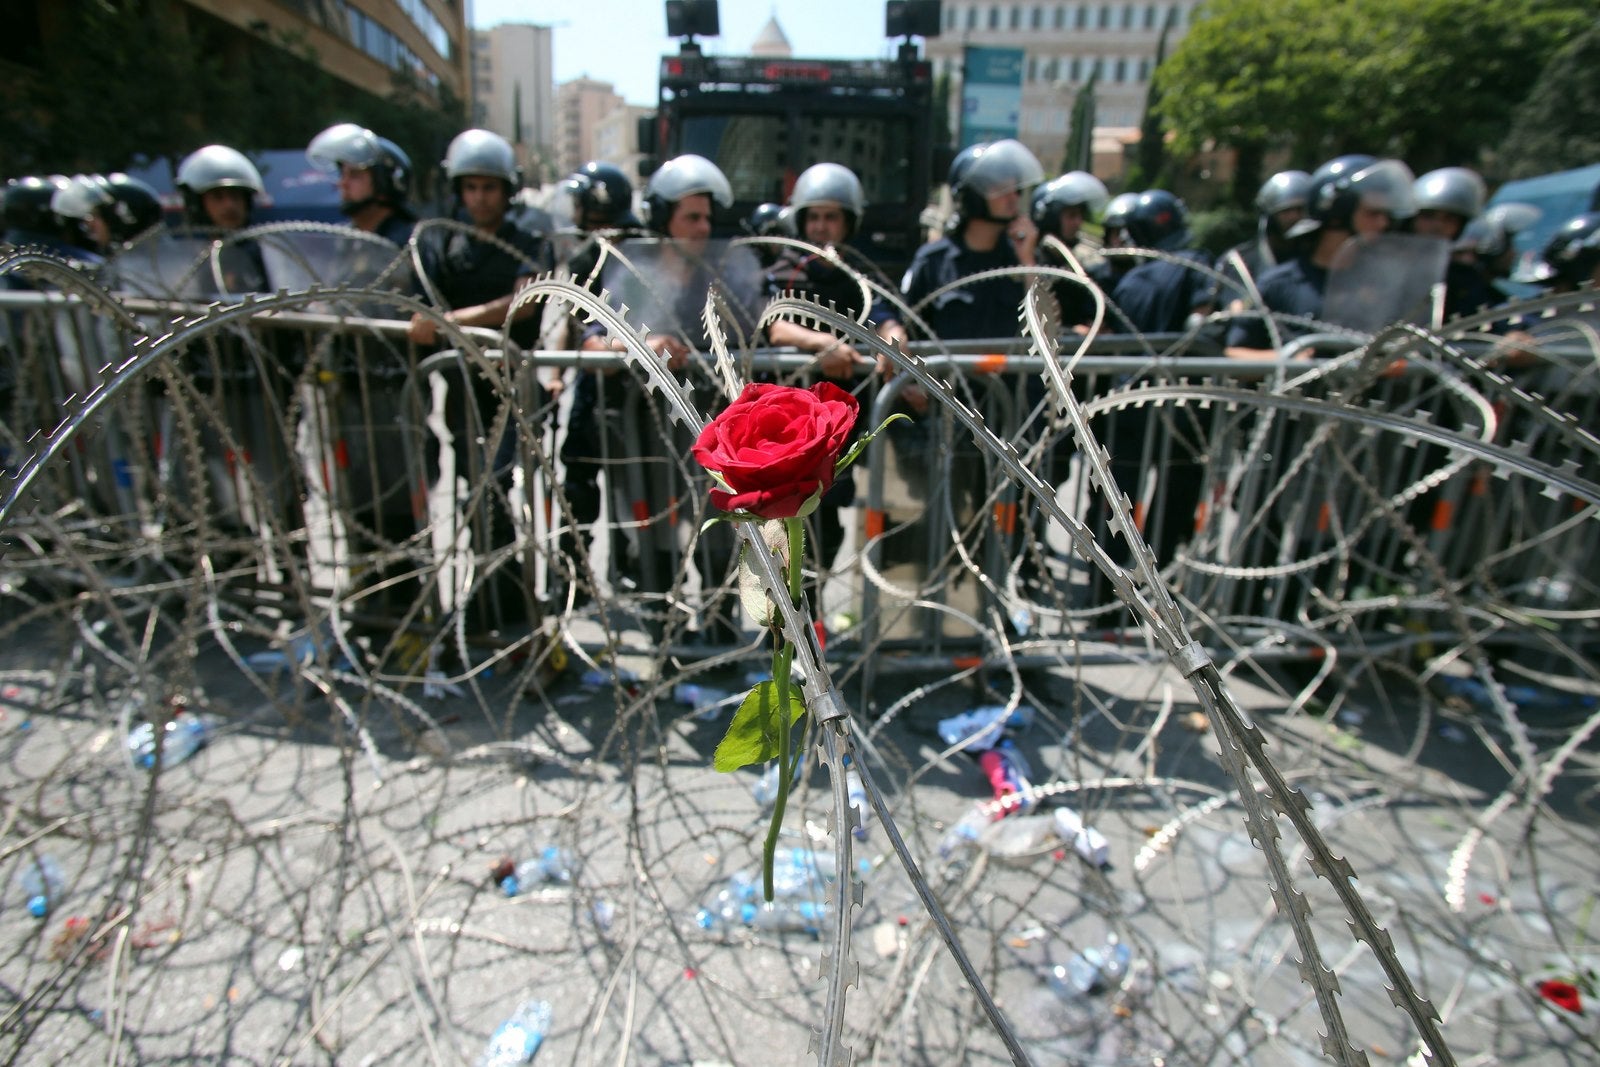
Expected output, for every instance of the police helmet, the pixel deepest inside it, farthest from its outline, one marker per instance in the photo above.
(135, 206)
(216, 166)
(1115, 219)
(27, 203)
(602, 196)
(1284, 190)
(1342, 184)
(989, 169)
(1492, 233)
(1454, 189)
(75, 203)
(482, 154)
(767, 220)
(1075, 189)
(355, 146)
(688, 175)
(1572, 253)
(828, 183)
(1158, 220)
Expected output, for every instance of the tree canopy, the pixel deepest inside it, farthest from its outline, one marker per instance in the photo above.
(1555, 128)
(1433, 82)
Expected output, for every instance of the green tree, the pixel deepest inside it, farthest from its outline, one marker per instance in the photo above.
(1079, 151)
(1430, 81)
(1554, 128)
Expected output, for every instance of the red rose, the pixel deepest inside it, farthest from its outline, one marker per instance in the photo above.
(775, 447)
(1562, 995)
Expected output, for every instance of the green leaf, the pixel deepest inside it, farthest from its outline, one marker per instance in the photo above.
(752, 736)
(861, 444)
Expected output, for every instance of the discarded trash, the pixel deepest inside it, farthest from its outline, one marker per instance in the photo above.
(707, 702)
(1093, 970)
(42, 885)
(1086, 841)
(857, 791)
(603, 679)
(805, 916)
(766, 788)
(1008, 774)
(301, 651)
(185, 733)
(552, 866)
(964, 832)
(1021, 836)
(605, 913)
(1451, 732)
(517, 1040)
(981, 727)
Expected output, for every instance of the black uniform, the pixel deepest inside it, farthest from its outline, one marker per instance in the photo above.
(1292, 288)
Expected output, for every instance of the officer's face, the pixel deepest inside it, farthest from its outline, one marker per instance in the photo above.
(226, 209)
(484, 200)
(1370, 221)
(1003, 206)
(1071, 222)
(690, 224)
(1288, 217)
(355, 184)
(825, 224)
(98, 229)
(1432, 223)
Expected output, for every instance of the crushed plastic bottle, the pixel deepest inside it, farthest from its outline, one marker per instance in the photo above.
(857, 791)
(1093, 970)
(603, 679)
(981, 727)
(517, 1040)
(1020, 836)
(552, 866)
(805, 916)
(42, 884)
(185, 733)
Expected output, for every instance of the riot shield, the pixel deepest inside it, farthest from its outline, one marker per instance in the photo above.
(1376, 281)
(664, 283)
(164, 265)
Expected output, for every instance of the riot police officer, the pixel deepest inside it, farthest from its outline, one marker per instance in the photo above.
(1571, 257)
(27, 215)
(219, 186)
(1060, 208)
(1446, 200)
(374, 178)
(476, 278)
(1352, 195)
(826, 206)
(1159, 295)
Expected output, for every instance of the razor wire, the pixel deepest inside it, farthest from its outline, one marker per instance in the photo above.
(315, 882)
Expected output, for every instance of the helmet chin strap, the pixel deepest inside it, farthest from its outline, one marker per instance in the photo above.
(351, 208)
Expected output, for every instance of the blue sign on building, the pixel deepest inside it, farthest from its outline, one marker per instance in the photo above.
(991, 93)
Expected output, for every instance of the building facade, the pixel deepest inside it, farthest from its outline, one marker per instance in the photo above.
(581, 106)
(513, 92)
(1064, 42)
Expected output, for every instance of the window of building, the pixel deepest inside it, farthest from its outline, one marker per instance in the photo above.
(1119, 71)
(1105, 16)
(994, 16)
(1144, 70)
(1149, 16)
(1061, 16)
(1083, 16)
(1036, 21)
(1016, 16)
(1077, 70)
(1033, 68)
(950, 17)
(972, 17)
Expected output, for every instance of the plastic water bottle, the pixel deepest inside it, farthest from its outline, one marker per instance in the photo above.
(706, 701)
(857, 791)
(519, 1037)
(1092, 970)
(981, 727)
(553, 865)
(805, 916)
(1086, 841)
(42, 884)
(184, 734)
(766, 788)
(965, 832)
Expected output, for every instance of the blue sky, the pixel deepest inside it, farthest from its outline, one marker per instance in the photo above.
(622, 41)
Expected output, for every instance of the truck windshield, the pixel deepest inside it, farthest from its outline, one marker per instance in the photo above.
(759, 157)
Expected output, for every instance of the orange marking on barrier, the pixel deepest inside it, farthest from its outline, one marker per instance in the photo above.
(1317, 652)
(641, 511)
(1201, 513)
(1005, 517)
(419, 500)
(821, 631)
(1443, 513)
(1138, 517)
(876, 521)
(990, 363)
(964, 663)
(341, 454)
(1578, 503)
(1480, 483)
(1395, 369)
(228, 459)
(1324, 517)
(672, 511)
(159, 445)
